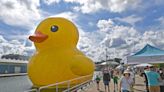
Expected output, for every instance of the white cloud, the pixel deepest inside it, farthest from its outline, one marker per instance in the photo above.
(20, 13)
(14, 47)
(51, 1)
(130, 19)
(105, 25)
(68, 15)
(161, 20)
(120, 41)
(90, 6)
(154, 37)
(2, 39)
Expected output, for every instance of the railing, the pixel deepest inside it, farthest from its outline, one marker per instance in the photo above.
(77, 87)
(69, 88)
(64, 82)
(31, 90)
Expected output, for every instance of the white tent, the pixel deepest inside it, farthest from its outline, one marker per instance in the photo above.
(119, 67)
(111, 63)
(148, 54)
(143, 65)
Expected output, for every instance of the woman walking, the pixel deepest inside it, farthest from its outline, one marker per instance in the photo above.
(126, 82)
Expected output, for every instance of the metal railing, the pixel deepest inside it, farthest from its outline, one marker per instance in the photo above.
(31, 90)
(56, 85)
(69, 88)
(77, 87)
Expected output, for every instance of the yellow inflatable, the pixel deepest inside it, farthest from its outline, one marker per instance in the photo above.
(56, 58)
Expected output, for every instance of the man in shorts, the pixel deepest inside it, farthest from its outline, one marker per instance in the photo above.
(106, 79)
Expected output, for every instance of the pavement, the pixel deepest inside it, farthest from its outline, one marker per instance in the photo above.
(138, 87)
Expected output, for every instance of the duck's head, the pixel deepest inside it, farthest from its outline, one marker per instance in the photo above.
(55, 33)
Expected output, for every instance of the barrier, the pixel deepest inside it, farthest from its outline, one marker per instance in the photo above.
(68, 83)
(68, 89)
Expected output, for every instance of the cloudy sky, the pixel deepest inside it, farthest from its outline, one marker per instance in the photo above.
(118, 27)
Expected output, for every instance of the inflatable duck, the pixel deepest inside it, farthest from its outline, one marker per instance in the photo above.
(56, 58)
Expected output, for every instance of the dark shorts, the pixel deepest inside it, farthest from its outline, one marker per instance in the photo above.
(125, 91)
(115, 82)
(97, 82)
(106, 82)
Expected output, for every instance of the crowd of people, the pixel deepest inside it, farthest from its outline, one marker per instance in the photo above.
(125, 80)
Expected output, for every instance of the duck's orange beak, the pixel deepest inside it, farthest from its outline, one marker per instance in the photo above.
(38, 37)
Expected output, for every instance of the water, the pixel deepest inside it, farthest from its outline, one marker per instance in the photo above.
(15, 84)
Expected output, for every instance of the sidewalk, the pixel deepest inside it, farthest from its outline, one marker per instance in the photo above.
(139, 86)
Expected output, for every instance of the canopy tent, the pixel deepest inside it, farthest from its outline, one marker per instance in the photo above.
(119, 67)
(143, 65)
(111, 63)
(148, 54)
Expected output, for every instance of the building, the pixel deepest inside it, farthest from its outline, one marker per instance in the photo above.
(12, 66)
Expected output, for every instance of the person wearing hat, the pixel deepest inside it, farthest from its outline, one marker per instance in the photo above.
(126, 82)
(153, 80)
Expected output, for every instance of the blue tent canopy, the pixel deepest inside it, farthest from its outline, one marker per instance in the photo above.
(149, 50)
(148, 54)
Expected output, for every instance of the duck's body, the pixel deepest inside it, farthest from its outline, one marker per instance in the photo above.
(57, 62)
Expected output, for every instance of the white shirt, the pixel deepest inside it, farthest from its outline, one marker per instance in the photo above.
(125, 83)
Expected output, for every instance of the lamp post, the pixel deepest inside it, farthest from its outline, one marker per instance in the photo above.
(106, 57)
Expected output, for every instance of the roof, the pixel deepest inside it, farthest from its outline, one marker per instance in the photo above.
(13, 61)
(149, 50)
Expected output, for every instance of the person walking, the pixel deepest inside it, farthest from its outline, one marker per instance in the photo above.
(132, 75)
(106, 79)
(115, 81)
(145, 77)
(97, 81)
(126, 82)
(153, 80)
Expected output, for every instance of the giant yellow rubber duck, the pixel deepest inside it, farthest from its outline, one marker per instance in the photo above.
(56, 58)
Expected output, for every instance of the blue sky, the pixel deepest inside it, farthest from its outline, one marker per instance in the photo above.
(101, 23)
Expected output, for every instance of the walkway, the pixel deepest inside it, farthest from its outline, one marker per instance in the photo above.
(139, 86)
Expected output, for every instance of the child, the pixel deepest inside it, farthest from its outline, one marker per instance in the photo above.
(115, 81)
(97, 81)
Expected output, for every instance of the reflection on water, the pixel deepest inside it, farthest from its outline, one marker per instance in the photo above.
(15, 84)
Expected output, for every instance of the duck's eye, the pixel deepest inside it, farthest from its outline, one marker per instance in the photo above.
(54, 28)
